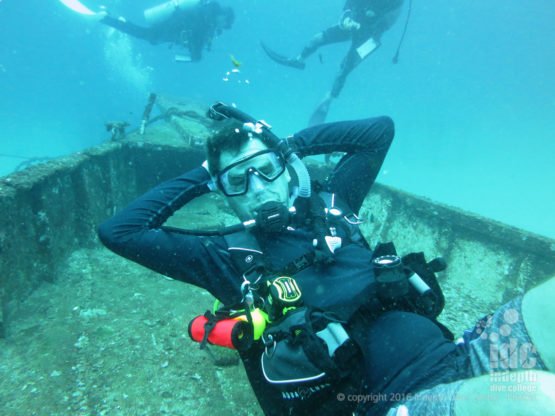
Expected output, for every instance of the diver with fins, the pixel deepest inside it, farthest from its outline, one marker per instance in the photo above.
(191, 24)
(362, 22)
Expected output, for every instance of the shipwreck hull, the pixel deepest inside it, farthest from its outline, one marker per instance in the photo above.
(55, 207)
(51, 211)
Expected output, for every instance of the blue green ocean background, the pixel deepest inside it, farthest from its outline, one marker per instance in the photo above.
(473, 93)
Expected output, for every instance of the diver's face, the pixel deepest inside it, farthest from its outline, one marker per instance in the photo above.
(252, 177)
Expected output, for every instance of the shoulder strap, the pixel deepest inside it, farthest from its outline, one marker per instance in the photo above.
(348, 220)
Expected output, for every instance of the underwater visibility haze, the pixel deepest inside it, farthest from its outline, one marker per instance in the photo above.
(472, 94)
(473, 100)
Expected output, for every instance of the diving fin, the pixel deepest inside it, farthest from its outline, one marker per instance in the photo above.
(77, 7)
(319, 115)
(282, 60)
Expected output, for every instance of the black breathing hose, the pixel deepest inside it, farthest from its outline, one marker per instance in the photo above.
(396, 57)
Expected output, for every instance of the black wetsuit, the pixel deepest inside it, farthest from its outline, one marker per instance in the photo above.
(193, 29)
(402, 352)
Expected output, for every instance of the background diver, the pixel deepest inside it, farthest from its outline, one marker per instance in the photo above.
(362, 23)
(191, 24)
(331, 326)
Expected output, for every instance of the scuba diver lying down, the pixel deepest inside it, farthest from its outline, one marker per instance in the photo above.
(317, 316)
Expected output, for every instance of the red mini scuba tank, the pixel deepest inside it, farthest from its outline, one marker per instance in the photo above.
(232, 333)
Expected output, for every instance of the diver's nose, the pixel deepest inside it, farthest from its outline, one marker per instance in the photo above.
(256, 183)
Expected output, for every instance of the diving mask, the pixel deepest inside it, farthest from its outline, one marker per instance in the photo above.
(266, 164)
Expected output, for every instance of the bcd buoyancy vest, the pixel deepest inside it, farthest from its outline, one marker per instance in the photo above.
(312, 347)
(349, 284)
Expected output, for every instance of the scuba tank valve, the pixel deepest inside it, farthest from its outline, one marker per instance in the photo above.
(164, 11)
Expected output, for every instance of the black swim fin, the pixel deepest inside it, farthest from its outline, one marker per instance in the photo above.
(282, 60)
(319, 115)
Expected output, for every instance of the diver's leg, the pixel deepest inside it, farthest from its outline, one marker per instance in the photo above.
(331, 35)
(122, 25)
(515, 347)
(532, 394)
(538, 313)
(321, 112)
(350, 62)
(364, 42)
(527, 393)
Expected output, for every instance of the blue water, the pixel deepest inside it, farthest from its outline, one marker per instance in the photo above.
(473, 94)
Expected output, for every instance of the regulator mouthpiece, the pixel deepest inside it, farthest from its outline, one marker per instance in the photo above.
(273, 217)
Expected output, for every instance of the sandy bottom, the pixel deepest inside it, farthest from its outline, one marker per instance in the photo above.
(110, 338)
